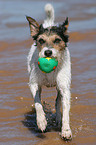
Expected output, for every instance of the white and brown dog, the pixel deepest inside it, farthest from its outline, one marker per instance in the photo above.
(50, 40)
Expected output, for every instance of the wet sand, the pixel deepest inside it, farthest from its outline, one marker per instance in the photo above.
(17, 113)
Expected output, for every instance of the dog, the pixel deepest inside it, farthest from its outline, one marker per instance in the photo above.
(51, 40)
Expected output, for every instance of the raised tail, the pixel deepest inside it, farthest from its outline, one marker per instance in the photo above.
(49, 21)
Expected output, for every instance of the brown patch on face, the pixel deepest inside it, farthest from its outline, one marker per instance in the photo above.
(50, 40)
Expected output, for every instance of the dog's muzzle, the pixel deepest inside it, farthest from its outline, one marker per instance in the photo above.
(48, 53)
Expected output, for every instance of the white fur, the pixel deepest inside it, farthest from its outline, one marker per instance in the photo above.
(50, 16)
(61, 78)
(40, 115)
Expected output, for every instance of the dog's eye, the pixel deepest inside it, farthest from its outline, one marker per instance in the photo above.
(57, 40)
(41, 41)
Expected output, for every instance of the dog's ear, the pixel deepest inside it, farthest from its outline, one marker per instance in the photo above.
(65, 24)
(34, 26)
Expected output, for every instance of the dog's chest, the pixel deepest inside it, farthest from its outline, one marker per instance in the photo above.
(49, 79)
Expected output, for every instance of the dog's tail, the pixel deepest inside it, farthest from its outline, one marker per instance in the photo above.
(49, 21)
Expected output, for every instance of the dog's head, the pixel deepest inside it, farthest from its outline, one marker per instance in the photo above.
(50, 41)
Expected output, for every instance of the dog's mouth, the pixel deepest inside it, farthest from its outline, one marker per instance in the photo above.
(52, 57)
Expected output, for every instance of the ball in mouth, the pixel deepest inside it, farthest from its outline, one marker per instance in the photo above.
(47, 64)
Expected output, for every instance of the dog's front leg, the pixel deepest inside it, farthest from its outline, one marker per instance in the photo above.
(40, 115)
(66, 131)
(65, 99)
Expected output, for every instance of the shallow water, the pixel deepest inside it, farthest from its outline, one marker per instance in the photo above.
(17, 114)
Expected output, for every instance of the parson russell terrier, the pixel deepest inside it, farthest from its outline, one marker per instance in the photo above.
(50, 40)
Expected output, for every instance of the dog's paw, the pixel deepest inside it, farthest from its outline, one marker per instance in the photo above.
(41, 122)
(66, 135)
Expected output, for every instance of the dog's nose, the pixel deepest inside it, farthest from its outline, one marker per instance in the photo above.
(48, 53)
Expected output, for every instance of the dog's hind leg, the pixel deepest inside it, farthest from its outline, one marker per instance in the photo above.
(58, 109)
(40, 115)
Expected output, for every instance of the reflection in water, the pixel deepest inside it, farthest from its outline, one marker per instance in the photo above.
(30, 120)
